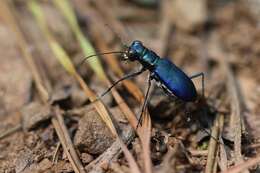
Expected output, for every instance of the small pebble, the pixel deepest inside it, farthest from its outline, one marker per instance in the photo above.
(93, 136)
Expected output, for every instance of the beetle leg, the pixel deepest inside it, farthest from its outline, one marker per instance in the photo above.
(123, 78)
(145, 100)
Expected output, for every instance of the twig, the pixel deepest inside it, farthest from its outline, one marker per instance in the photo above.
(223, 163)
(145, 135)
(144, 131)
(64, 144)
(168, 164)
(165, 27)
(87, 48)
(56, 152)
(236, 121)
(68, 143)
(243, 166)
(10, 131)
(6, 11)
(212, 150)
(109, 15)
(198, 152)
(185, 152)
(44, 95)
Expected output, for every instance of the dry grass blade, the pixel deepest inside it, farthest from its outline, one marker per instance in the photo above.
(130, 158)
(236, 119)
(10, 131)
(64, 59)
(109, 15)
(64, 144)
(69, 143)
(243, 166)
(212, 150)
(145, 135)
(84, 43)
(67, 64)
(169, 161)
(9, 19)
(111, 59)
(166, 24)
(126, 110)
(41, 89)
(143, 131)
(223, 161)
(113, 63)
(236, 122)
(86, 46)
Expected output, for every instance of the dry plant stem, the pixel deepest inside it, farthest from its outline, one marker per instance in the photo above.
(131, 160)
(198, 153)
(64, 59)
(110, 59)
(69, 15)
(223, 162)
(144, 131)
(184, 151)
(124, 107)
(64, 145)
(165, 26)
(54, 158)
(236, 120)
(243, 166)
(86, 46)
(113, 63)
(111, 18)
(39, 84)
(10, 131)
(212, 150)
(168, 164)
(135, 13)
(145, 135)
(68, 141)
(99, 106)
(235, 111)
(6, 13)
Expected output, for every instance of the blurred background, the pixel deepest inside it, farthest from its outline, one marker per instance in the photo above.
(43, 44)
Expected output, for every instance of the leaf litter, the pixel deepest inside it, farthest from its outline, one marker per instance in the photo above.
(221, 39)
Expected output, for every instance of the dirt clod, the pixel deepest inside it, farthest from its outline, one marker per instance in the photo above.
(92, 136)
(33, 114)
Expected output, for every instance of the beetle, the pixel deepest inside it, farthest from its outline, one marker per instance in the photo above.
(167, 75)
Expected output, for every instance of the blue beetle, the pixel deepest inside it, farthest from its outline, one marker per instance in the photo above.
(170, 78)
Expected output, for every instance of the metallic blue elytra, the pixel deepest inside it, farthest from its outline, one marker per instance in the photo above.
(171, 78)
(175, 80)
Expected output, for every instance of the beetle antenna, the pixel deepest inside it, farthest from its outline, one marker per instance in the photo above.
(98, 54)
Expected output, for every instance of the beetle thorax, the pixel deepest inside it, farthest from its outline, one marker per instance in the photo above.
(138, 52)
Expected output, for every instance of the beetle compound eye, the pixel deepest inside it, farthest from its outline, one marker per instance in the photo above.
(131, 54)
